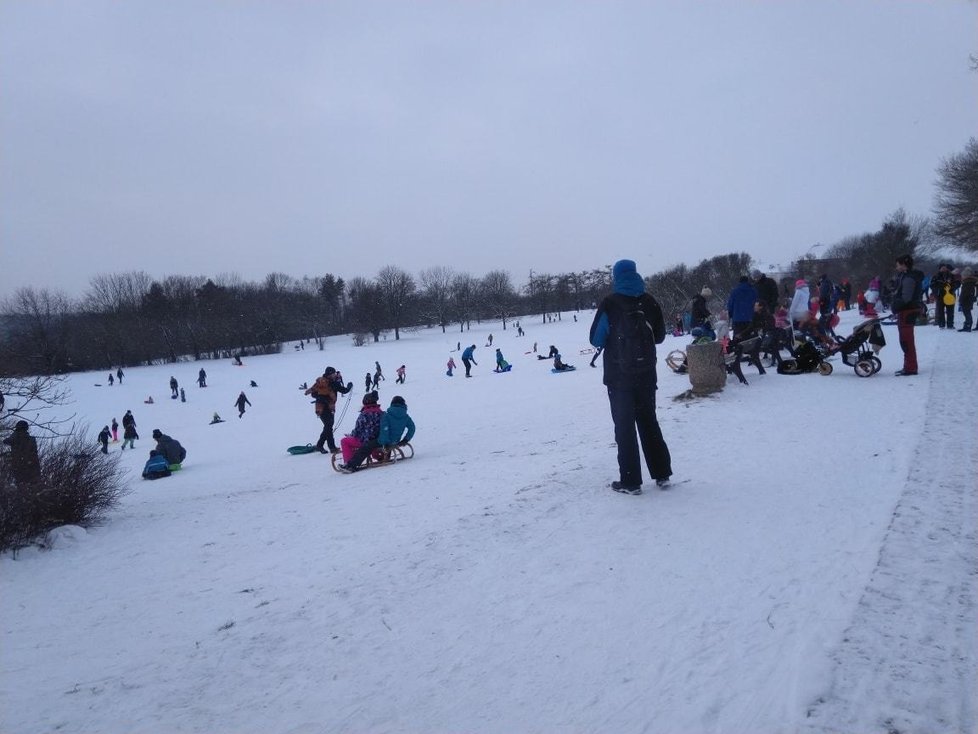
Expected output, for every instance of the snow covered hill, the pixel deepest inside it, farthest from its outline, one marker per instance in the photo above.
(813, 569)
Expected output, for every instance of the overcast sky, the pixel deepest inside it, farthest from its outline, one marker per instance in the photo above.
(201, 138)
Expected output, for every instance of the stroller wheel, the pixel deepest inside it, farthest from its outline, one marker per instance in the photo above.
(676, 359)
(877, 365)
(825, 368)
(864, 368)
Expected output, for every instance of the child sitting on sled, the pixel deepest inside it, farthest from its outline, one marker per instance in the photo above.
(393, 425)
(365, 429)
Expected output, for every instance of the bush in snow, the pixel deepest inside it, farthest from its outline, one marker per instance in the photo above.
(78, 486)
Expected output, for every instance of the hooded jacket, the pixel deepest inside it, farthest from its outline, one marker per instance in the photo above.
(629, 293)
(740, 304)
(367, 426)
(798, 311)
(393, 424)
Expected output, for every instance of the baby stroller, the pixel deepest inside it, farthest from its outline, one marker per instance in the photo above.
(859, 350)
(806, 358)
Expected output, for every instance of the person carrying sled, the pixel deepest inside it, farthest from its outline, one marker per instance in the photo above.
(468, 359)
(393, 424)
(324, 391)
(25, 464)
(241, 402)
(943, 286)
(170, 448)
(628, 324)
(129, 434)
(365, 430)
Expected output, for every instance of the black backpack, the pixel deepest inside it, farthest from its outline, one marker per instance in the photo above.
(633, 336)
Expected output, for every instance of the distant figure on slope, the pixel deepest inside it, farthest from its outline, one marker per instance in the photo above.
(241, 402)
(115, 431)
(501, 364)
(550, 354)
(103, 438)
(468, 359)
(111, 380)
(401, 374)
(451, 366)
(378, 375)
(367, 382)
(560, 365)
(119, 375)
(201, 378)
(129, 434)
(216, 419)
(173, 388)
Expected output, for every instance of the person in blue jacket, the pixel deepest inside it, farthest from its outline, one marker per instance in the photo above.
(157, 466)
(393, 424)
(740, 307)
(468, 359)
(629, 375)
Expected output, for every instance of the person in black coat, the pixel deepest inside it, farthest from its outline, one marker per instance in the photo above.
(170, 448)
(630, 377)
(25, 464)
(767, 290)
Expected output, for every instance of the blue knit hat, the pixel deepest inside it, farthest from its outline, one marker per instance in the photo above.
(627, 281)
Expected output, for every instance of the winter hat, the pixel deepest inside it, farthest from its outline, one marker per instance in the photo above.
(398, 400)
(801, 283)
(370, 398)
(626, 279)
(21, 426)
(329, 371)
(706, 292)
(157, 433)
(755, 274)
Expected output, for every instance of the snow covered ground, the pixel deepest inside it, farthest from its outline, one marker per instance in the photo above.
(813, 569)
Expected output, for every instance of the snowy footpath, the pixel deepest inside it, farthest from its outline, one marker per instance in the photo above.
(812, 570)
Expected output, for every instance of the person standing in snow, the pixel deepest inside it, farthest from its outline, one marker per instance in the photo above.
(367, 382)
(103, 438)
(468, 359)
(129, 434)
(906, 305)
(324, 391)
(173, 388)
(740, 306)
(451, 366)
(25, 464)
(201, 378)
(241, 402)
(627, 325)
(966, 296)
(115, 431)
(119, 375)
(401, 374)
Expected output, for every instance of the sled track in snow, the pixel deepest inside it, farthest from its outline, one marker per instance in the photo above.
(894, 642)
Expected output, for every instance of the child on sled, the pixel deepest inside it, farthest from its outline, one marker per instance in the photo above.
(393, 424)
(365, 429)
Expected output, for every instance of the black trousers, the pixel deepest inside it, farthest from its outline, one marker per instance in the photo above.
(361, 454)
(633, 412)
(944, 314)
(468, 366)
(326, 437)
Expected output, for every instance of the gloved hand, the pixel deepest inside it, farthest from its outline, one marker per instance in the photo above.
(349, 386)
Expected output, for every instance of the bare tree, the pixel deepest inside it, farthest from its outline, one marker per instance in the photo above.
(956, 206)
(396, 291)
(436, 287)
(498, 295)
(465, 290)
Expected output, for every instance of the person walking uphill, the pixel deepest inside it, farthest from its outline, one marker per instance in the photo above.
(324, 391)
(468, 359)
(627, 325)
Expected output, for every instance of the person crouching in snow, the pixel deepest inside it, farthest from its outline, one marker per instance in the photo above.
(103, 438)
(501, 364)
(393, 424)
(366, 429)
(156, 467)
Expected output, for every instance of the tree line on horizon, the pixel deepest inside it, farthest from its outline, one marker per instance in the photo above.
(131, 319)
